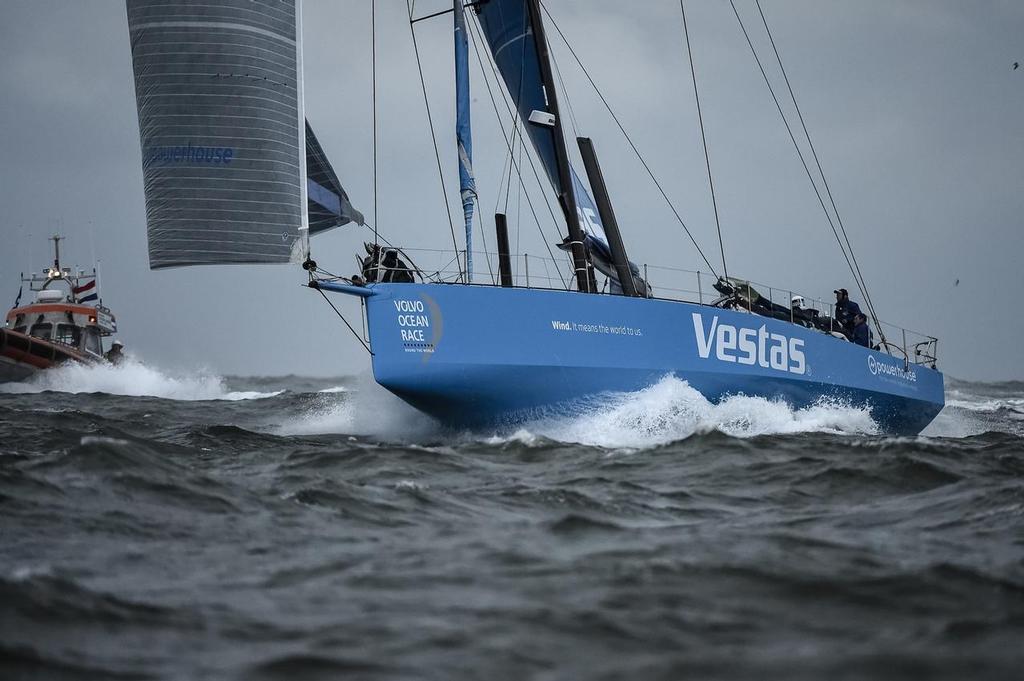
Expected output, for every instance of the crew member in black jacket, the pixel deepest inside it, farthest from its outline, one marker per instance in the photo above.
(846, 311)
(861, 330)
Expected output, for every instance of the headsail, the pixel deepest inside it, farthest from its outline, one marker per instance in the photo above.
(219, 97)
(463, 133)
(328, 203)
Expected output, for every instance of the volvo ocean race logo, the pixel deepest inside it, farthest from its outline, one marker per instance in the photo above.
(878, 367)
(749, 346)
(420, 324)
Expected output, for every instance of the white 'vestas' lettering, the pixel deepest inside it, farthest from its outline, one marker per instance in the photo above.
(797, 355)
(726, 340)
(703, 342)
(749, 346)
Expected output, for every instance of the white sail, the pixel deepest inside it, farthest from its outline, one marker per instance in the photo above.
(219, 93)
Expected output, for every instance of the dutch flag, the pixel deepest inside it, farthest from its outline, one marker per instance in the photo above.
(89, 291)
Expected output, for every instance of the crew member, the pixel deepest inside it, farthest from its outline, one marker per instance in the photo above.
(846, 310)
(115, 355)
(861, 330)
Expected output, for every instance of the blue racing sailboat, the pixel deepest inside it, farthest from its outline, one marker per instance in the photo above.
(468, 352)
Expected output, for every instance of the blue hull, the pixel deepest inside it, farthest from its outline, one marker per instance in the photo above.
(482, 355)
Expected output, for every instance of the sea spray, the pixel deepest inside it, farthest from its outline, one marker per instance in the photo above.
(132, 378)
(367, 409)
(672, 410)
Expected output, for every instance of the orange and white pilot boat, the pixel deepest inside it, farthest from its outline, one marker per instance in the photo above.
(66, 322)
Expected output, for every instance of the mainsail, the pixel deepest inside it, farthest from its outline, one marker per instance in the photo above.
(224, 139)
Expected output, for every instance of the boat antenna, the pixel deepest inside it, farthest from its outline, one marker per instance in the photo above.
(703, 138)
(56, 251)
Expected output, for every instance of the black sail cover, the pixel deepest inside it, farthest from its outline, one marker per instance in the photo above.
(223, 135)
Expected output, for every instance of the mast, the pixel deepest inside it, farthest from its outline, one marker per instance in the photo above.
(463, 133)
(566, 199)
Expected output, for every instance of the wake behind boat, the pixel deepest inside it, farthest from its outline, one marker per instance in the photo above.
(66, 322)
(461, 350)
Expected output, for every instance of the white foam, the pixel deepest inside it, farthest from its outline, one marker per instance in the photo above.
(672, 410)
(362, 409)
(968, 415)
(134, 379)
(983, 404)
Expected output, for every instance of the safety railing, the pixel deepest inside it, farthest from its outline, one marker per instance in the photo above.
(666, 283)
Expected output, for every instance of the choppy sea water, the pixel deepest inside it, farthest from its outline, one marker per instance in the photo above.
(155, 526)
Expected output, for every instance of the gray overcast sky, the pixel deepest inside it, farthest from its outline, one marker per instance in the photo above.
(913, 104)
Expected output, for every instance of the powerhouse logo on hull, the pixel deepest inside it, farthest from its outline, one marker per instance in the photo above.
(877, 367)
(744, 345)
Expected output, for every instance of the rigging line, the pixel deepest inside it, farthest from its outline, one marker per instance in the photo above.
(497, 115)
(342, 317)
(703, 139)
(513, 111)
(433, 137)
(565, 93)
(509, 142)
(515, 131)
(792, 138)
(501, 183)
(515, 114)
(814, 153)
(377, 236)
(373, 78)
(636, 151)
(519, 205)
(487, 255)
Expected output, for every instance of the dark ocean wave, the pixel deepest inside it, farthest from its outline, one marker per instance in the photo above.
(296, 528)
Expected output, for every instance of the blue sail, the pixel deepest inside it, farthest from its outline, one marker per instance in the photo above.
(463, 133)
(508, 29)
